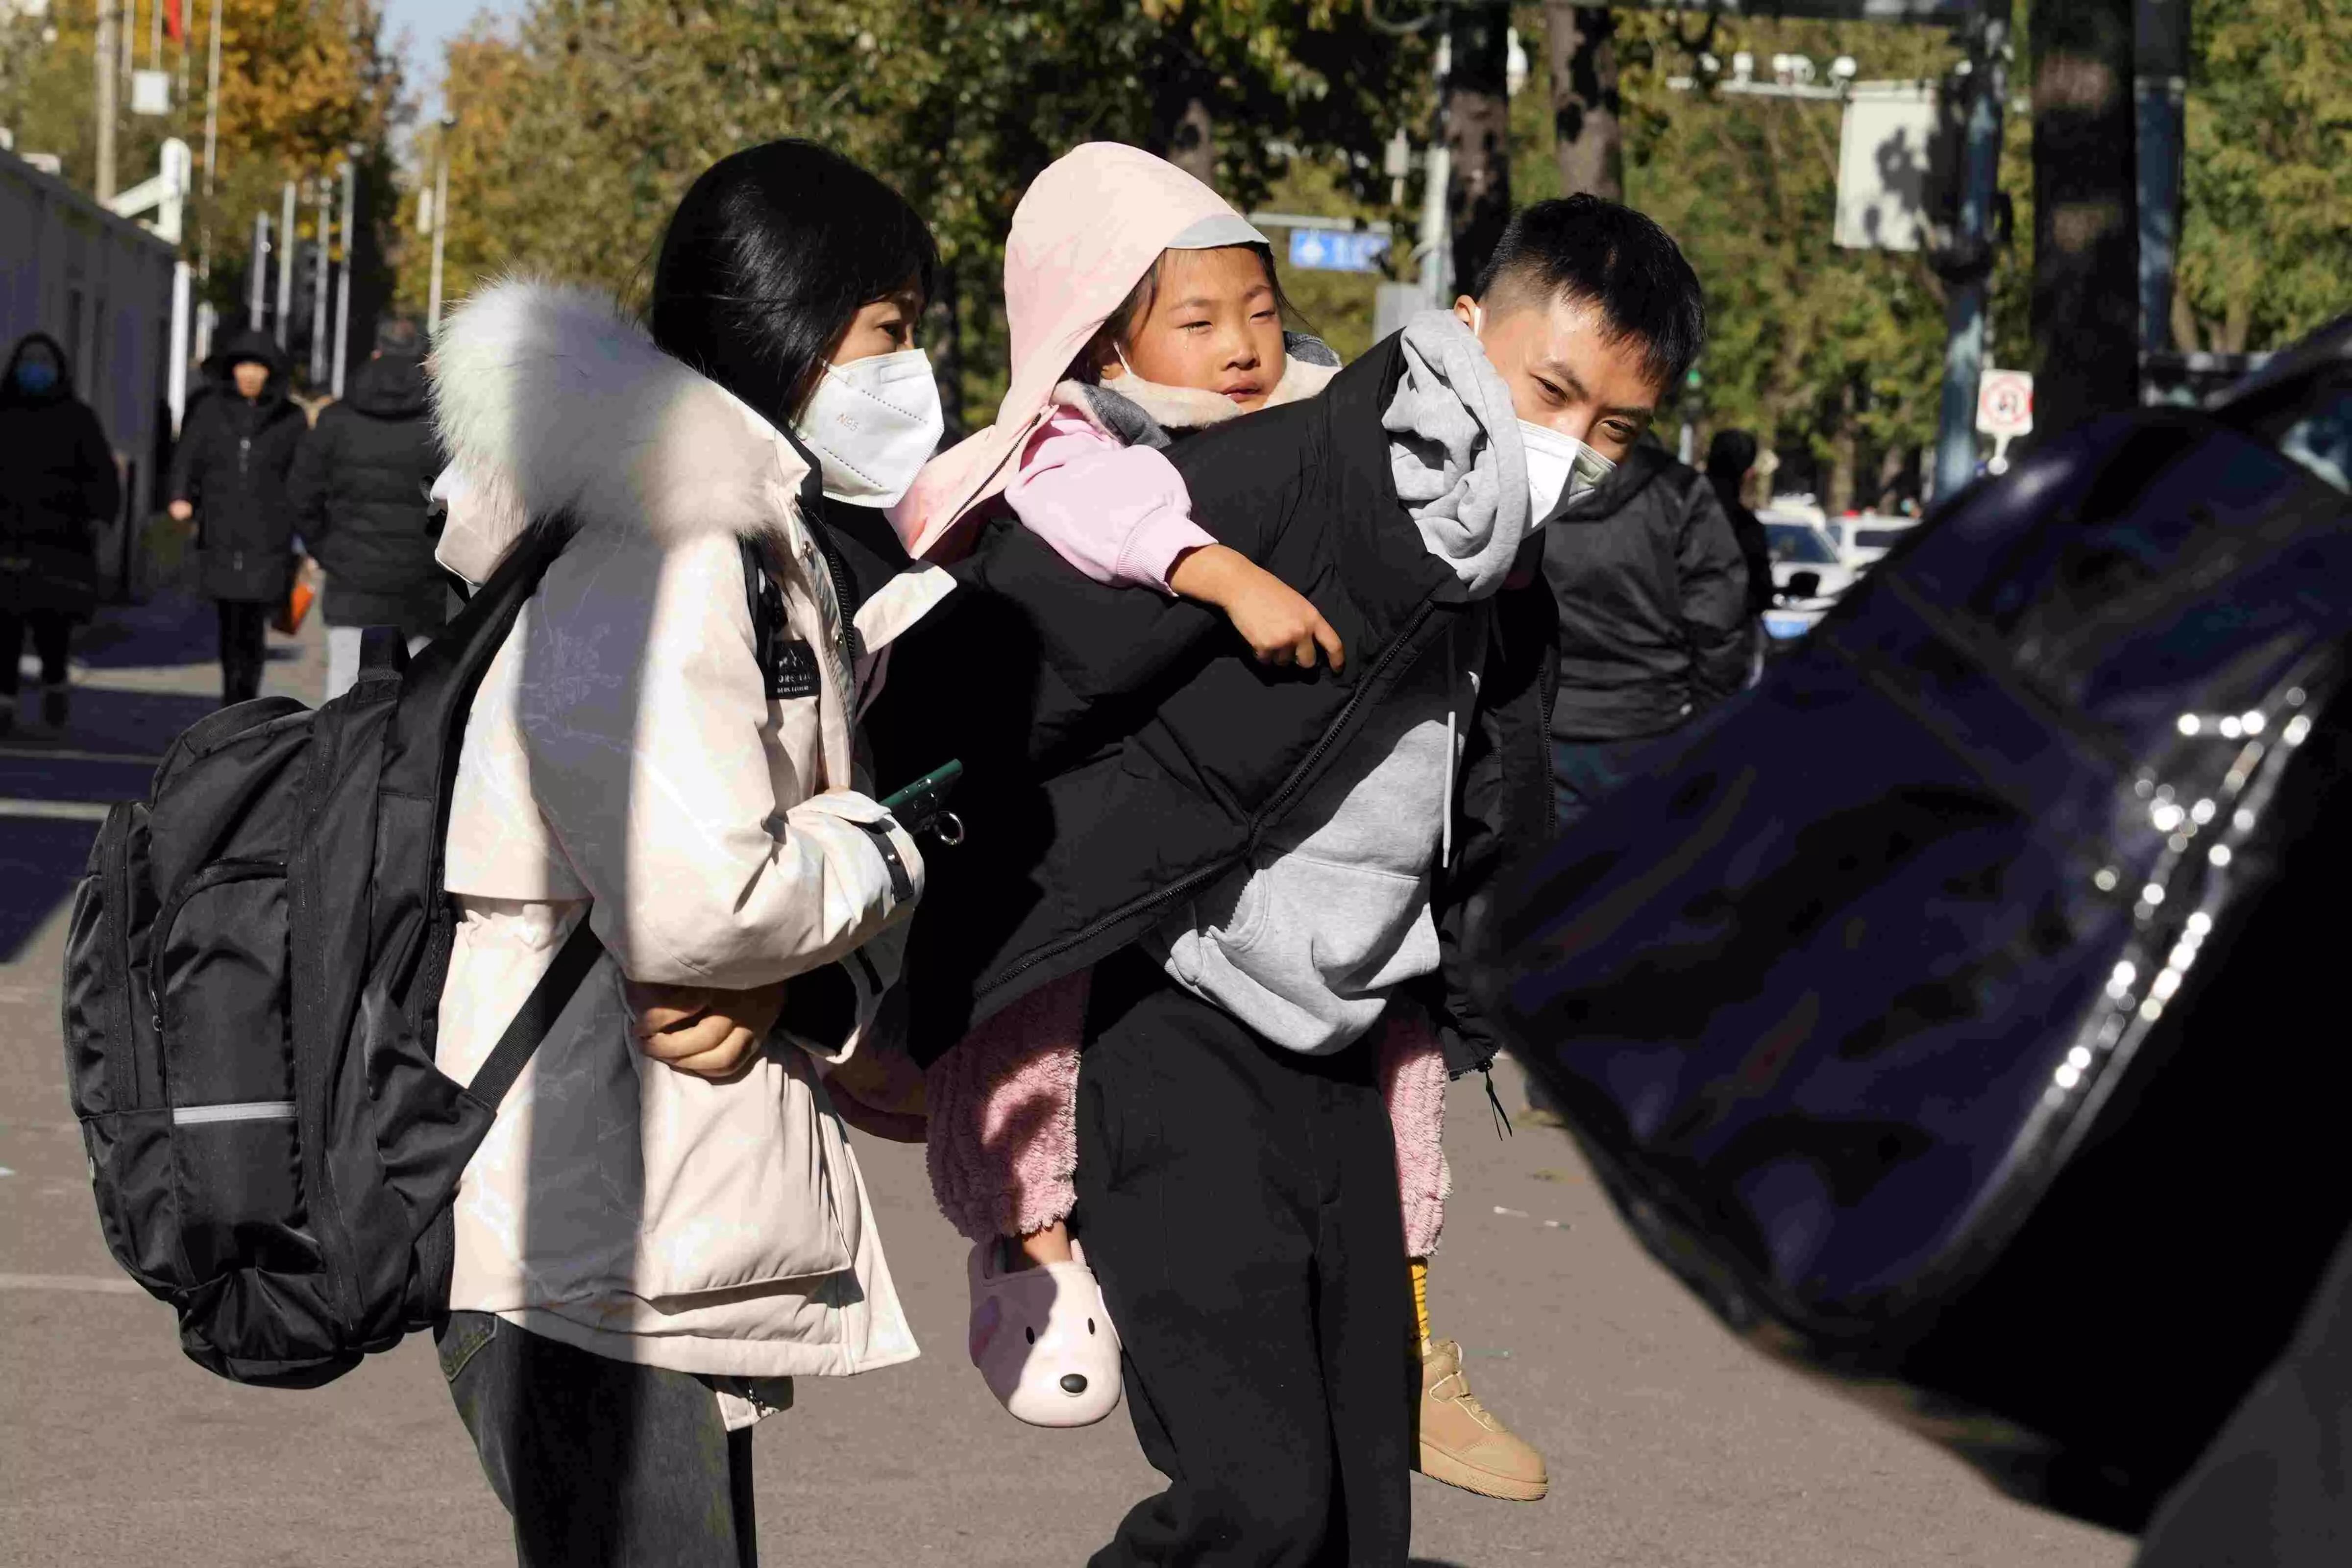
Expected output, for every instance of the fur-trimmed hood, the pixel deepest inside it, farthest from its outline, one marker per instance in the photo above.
(550, 400)
(1141, 412)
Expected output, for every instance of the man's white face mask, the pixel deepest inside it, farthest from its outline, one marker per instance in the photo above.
(872, 423)
(1560, 468)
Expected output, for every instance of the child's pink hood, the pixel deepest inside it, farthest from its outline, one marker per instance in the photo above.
(1086, 231)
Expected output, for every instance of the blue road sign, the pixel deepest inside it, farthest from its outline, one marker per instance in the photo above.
(1332, 250)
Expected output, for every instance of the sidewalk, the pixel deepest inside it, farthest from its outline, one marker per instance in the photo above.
(1670, 1443)
(141, 673)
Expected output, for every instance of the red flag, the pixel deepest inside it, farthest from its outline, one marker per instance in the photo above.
(173, 27)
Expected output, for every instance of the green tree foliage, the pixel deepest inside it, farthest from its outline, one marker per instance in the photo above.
(590, 123)
(1836, 354)
(2266, 243)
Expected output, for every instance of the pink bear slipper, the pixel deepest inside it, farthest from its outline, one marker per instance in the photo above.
(1043, 1339)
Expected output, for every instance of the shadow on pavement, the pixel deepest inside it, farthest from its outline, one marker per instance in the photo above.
(55, 785)
(39, 862)
(171, 630)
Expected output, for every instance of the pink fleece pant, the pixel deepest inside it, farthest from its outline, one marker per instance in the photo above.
(1003, 1145)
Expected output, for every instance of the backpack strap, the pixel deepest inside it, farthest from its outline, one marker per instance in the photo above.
(536, 1018)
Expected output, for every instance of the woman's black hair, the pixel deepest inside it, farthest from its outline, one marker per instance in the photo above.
(770, 257)
(1120, 326)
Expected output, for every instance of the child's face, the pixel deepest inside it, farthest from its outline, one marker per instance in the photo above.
(1212, 324)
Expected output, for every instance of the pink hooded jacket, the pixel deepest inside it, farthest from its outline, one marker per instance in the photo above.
(1087, 228)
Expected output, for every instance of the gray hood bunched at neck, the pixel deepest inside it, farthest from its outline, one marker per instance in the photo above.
(1453, 448)
(1306, 943)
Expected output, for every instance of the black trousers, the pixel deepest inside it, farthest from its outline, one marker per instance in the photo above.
(601, 1463)
(1239, 1204)
(52, 639)
(243, 647)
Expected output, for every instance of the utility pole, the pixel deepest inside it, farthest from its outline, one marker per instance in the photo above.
(440, 221)
(1477, 130)
(351, 254)
(2086, 278)
(256, 282)
(320, 289)
(1966, 264)
(212, 96)
(109, 77)
(2161, 86)
(285, 249)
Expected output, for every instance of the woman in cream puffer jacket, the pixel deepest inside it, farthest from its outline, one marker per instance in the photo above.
(648, 1250)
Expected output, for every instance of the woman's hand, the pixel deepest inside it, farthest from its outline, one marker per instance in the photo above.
(881, 1093)
(702, 1029)
(1280, 624)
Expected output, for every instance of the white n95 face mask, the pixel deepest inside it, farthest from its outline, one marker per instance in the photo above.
(872, 423)
(1560, 468)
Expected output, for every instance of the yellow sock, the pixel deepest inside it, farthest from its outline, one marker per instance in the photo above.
(1421, 1299)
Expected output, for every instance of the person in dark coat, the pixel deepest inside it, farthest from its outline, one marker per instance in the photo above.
(56, 479)
(1729, 457)
(229, 477)
(360, 494)
(1654, 625)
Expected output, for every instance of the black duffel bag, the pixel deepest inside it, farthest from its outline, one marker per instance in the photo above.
(1953, 1013)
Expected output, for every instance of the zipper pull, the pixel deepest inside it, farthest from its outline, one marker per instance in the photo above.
(1502, 1117)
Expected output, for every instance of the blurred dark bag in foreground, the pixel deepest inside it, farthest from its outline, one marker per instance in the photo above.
(1956, 1015)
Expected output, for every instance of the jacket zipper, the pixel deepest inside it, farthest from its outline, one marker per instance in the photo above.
(1258, 823)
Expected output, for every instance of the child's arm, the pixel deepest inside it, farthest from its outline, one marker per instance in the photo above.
(1121, 515)
(1281, 625)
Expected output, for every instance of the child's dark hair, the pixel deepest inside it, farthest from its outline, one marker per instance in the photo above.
(1119, 328)
(1589, 251)
(770, 254)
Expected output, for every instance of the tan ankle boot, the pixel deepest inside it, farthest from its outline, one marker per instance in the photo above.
(1463, 1443)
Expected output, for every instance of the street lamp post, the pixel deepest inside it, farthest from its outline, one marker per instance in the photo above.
(256, 282)
(1969, 288)
(286, 267)
(343, 287)
(320, 283)
(109, 66)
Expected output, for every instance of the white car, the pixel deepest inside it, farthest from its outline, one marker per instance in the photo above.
(1873, 536)
(1808, 575)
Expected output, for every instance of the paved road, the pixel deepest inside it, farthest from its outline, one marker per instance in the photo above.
(1670, 1443)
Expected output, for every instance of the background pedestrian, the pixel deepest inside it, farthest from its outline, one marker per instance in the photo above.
(359, 493)
(1730, 457)
(57, 481)
(229, 479)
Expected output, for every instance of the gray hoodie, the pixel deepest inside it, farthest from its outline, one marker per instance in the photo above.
(1305, 943)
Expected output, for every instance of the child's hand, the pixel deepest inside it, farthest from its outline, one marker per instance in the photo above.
(1280, 624)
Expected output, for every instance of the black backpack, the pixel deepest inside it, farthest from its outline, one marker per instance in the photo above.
(1952, 1012)
(252, 984)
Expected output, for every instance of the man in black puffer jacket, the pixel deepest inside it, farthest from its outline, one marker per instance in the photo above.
(229, 478)
(1258, 865)
(358, 491)
(1653, 622)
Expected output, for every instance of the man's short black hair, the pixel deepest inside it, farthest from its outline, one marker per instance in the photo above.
(1590, 251)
